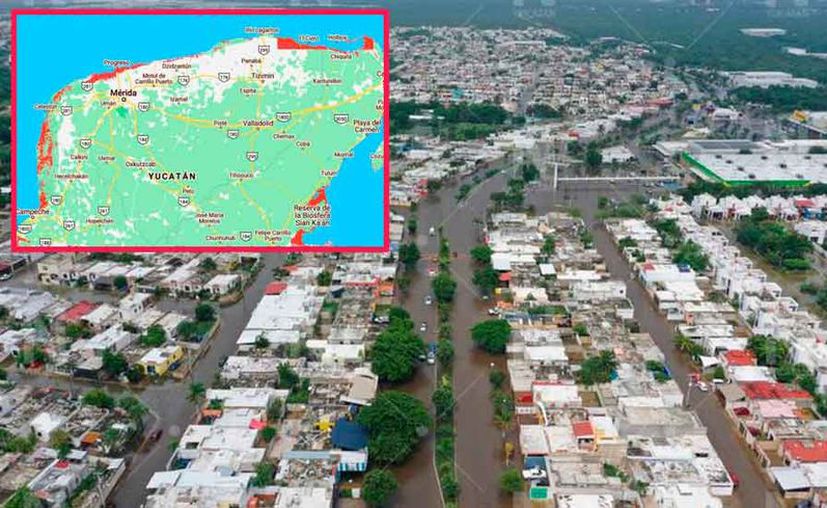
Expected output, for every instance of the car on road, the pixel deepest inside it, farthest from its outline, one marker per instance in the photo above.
(428, 300)
(431, 271)
(431, 231)
(156, 435)
(736, 480)
(431, 357)
(493, 311)
(423, 327)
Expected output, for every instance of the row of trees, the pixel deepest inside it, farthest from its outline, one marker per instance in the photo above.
(781, 247)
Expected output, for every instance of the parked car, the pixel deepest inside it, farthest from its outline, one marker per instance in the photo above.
(156, 435)
(431, 353)
(428, 300)
(493, 311)
(423, 327)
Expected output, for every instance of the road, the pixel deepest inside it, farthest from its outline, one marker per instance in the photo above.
(479, 441)
(754, 490)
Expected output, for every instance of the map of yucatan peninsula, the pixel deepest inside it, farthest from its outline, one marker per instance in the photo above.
(273, 137)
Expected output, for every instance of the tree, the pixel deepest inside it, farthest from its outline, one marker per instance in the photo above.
(486, 279)
(593, 157)
(549, 244)
(135, 409)
(61, 442)
(481, 254)
(98, 398)
(444, 352)
(197, 393)
(409, 255)
(511, 481)
(261, 342)
(529, 172)
(444, 287)
(288, 379)
(267, 434)
(23, 498)
(496, 377)
(135, 374)
(325, 278)
(207, 265)
(379, 487)
(443, 399)
(77, 331)
(598, 369)
(120, 283)
(114, 364)
(396, 422)
(412, 225)
(265, 472)
(492, 335)
(204, 312)
(395, 353)
(155, 336)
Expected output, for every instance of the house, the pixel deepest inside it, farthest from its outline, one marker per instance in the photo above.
(223, 283)
(158, 361)
(133, 305)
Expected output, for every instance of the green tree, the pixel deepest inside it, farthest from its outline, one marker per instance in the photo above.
(481, 254)
(325, 278)
(197, 393)
(444, 287)
(549, 243)
(135, 409)
(409, 255)
(155, 336)
(395, 353)
(511, 481)
(207, 265)
(412, 225)
(486, 279)
(593, 157)
(120, 283)
(492, 335)
(61, 442)
(529, 172)
(98, 398)
(444, 352)
(23, 498)
(496, 377)
(204, 312)
(267, 434)
(443, 399)
(598, 369)
(262, 342)
(114, 364)
(396, 422)
(265, 472)
(77, 331)
(288, 378)
(380, 485)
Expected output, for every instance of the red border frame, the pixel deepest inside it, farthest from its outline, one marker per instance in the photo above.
(385, 247)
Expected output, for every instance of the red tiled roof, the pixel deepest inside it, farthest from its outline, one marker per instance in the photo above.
(275, 288)
(809, 451)
(739, 357)
(583, 429)
(505, 277)
(77, 311)
(772, 390)
(804, 203)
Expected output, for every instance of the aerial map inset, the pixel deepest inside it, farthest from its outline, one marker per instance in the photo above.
(176, 131)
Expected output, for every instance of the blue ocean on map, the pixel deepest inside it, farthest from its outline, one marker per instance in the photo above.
(54, 50)
(356, 200)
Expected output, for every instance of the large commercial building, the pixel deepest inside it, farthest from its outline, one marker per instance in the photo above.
(743, 162)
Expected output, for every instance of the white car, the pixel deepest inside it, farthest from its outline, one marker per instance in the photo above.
(493, 311)
(428, 300)
(423, 327)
